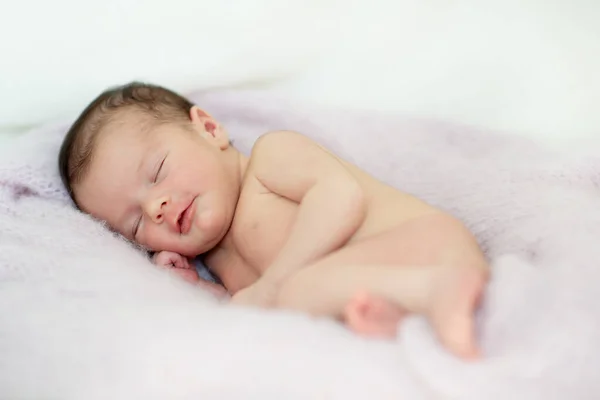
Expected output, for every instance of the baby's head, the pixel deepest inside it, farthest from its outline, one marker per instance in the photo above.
(158, 169)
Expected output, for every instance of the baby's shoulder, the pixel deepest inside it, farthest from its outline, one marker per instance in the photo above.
(284, 148)
(280, 141)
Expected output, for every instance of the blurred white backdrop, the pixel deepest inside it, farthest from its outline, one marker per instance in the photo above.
(525, 66)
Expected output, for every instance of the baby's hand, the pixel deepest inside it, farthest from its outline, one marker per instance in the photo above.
(182, 267)
(178, 263)
(260, 294)
(170, 260)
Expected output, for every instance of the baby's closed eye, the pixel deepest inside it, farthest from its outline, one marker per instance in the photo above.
(136, 227)
(159, 169)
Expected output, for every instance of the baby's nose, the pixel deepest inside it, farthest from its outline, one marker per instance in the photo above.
(157, 208)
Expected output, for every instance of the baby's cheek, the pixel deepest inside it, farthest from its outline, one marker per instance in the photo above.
(206, 219)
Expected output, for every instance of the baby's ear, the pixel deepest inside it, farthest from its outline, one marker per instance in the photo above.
(209, 128)
(373, 316)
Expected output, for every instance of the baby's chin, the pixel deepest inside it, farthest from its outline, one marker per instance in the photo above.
(199, 244)
(197, 249)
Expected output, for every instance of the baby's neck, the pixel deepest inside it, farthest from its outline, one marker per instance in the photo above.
(242, 165)
(237, 164)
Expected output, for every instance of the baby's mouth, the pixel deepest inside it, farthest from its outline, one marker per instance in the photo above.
(179, 220)
(184, 221)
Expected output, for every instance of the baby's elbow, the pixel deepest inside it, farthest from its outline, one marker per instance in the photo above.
(354, 198)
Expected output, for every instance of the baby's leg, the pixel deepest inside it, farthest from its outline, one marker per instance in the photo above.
(434, 272)
(447, 296)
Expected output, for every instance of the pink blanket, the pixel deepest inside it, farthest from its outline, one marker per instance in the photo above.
(84, 315)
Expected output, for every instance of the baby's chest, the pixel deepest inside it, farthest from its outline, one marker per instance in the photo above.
(261, 227)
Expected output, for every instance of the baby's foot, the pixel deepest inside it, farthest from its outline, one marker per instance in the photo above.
(373, 316)
(456, 295)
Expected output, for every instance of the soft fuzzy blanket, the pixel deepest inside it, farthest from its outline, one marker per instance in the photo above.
(83, 314)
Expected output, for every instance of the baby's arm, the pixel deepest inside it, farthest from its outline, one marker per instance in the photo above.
(331, 202)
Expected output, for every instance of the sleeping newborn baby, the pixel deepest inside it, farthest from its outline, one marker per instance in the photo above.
(292, 226)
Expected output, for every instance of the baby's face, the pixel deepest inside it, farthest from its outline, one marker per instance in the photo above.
(167, 189)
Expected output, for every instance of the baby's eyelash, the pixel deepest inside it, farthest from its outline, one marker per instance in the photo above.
(159, 169)
(136, 227)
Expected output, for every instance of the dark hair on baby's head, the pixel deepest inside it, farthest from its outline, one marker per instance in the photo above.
(158, 104)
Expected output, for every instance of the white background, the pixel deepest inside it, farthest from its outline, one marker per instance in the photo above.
(522, 66)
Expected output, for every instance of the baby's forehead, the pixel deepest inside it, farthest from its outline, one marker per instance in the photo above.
(116, 149)
(118, 146)
(129, 131)
(129, 123)
(131, 134)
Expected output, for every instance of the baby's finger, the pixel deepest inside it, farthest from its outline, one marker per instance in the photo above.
(186, 263)
(179, 261)
(166, 259)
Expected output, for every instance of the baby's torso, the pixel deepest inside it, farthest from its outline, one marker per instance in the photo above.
(263, 222)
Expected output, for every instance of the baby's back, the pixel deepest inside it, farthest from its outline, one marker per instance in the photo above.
(387, 207)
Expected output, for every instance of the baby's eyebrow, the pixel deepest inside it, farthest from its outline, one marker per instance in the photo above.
(144, 157)
(141, 163)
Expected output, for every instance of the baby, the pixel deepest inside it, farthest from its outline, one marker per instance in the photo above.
(291, 226)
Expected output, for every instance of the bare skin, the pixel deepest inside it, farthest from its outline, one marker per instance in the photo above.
(364, 235)
(295, 227)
